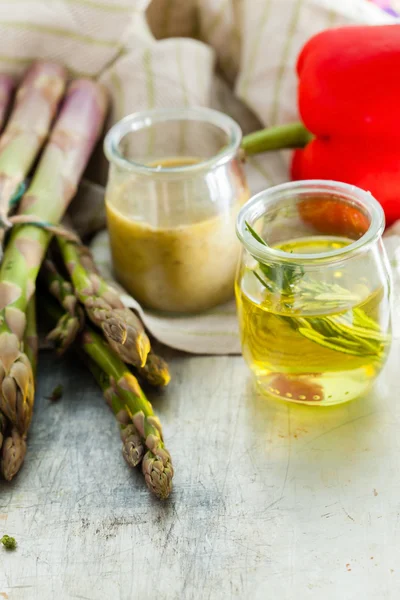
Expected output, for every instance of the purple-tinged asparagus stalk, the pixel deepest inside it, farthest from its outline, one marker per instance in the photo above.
(36, 103)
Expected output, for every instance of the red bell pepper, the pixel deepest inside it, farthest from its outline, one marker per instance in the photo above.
(349, 102)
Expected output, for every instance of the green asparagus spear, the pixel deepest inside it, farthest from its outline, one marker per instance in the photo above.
(156, 465)
(122, 329)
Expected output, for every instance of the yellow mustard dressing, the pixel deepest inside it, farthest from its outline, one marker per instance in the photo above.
(185, 268)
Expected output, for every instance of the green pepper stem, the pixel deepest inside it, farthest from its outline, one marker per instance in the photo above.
(292, 135)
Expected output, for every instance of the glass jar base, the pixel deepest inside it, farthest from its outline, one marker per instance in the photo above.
(314, 389)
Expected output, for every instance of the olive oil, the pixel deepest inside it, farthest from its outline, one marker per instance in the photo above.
(311, 340)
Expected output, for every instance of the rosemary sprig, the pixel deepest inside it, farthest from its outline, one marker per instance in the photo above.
(351, 333)
(279, 278)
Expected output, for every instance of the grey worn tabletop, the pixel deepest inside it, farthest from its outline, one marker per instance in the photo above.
(270, 500)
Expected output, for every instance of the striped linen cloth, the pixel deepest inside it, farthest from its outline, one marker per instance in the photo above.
(163, 53)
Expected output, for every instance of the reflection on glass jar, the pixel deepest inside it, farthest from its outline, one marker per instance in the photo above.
(174, 191)
(312, 291)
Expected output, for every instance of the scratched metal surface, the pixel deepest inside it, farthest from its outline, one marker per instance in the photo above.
(270, 501)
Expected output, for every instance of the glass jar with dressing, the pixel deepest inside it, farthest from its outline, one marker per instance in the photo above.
(174, 191)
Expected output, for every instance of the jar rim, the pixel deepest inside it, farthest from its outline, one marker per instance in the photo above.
(146, 118)
(257, 205)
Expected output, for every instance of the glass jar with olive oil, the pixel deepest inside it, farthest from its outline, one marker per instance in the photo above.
(174, 191)
(313, 290)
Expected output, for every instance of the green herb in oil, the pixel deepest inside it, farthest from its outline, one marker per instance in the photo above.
(358, 336)
(278, 278)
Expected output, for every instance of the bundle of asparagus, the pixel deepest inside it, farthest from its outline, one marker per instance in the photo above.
(53, 186)
(140, 429)
(117, 336)
(141, 432)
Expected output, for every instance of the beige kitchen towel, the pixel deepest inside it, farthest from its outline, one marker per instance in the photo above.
(235, 55)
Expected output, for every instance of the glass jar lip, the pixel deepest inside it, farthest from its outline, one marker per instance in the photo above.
(255, 208)
(142, 119)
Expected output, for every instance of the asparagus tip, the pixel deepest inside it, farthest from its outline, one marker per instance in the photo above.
(158, 472)
(132, 445)
(155, 371)
(13, 454)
